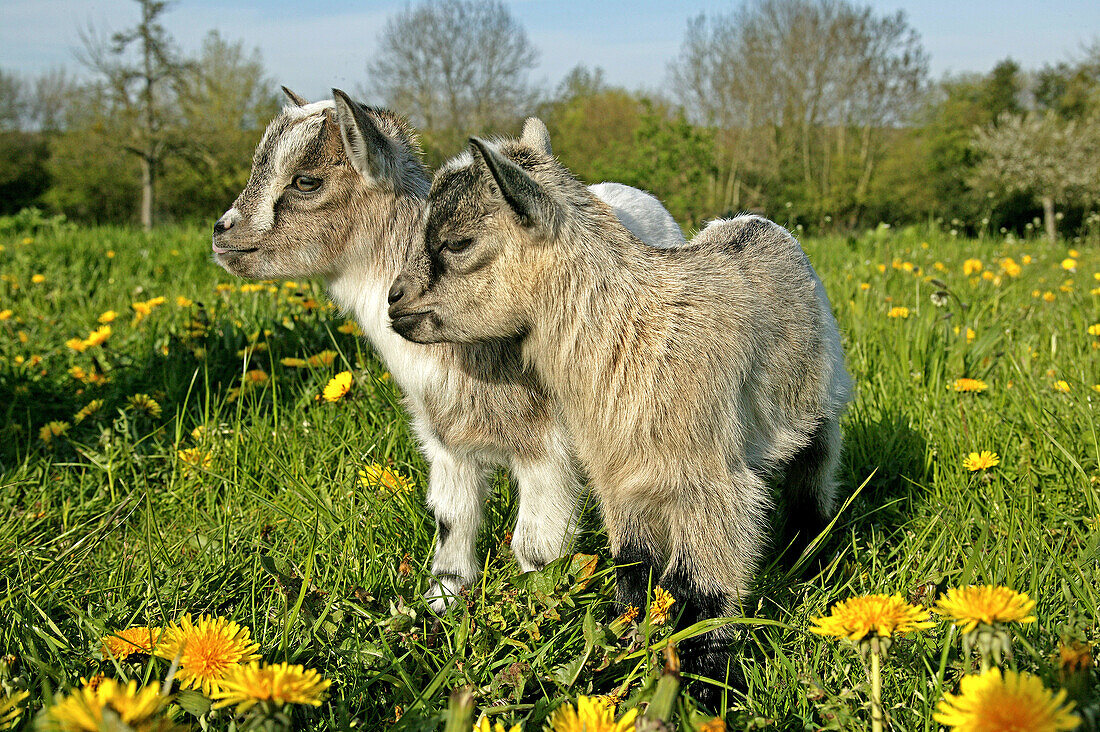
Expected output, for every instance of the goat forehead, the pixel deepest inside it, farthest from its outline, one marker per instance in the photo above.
(456, 197)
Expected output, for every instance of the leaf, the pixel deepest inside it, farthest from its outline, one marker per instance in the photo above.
(193, 702)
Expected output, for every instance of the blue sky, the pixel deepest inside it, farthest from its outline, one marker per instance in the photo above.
(314, 45)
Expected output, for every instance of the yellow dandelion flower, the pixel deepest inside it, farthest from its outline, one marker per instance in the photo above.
(661, 606)
(5, 314)
(350, 328)
(256, 376)
(629, 615)
(290, 285)
(864, 286)
(207, 649)
(1074, 253)
(376, 477)
(974, 605)
(1069, 264)
(107, 316)
(324, 358)
(77, 344)
(592, 714)
(1048, 296)
(83, 709)
(1008, 264)
(294, 363)
(884, 615)
(245, 685)
(482, 725)
(337, 387)
(184, 302)
(987, 275)
(972, 266)
(53, 429)
(88, 410)
(976, 461)
(224, 287)
(195, 457)
(98, 336)
(145, 403)
(38, 279)
(965, 384)
(10, 711)
(124, 643)
(898, 311)
(993, 702)
(1094, 329)
(971, 334)
(252, 287)
(110, 254)
(1061, 385)
(713, 724)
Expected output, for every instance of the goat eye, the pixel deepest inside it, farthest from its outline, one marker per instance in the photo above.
(457, 245)
(305, 183)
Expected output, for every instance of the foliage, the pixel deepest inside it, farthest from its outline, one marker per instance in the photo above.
(243, 499)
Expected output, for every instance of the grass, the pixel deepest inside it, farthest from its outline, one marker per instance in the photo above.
(107, 525)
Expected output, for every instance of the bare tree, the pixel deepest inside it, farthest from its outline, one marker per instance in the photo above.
(1040, 153)
(802, 88)
(140, 67)
(455, 66)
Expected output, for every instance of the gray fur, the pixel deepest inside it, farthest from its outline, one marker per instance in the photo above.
(693, 380)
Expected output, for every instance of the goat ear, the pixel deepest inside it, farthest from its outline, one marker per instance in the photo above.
(371, 152)
(294, 98)
(523, 194)
(536, 136)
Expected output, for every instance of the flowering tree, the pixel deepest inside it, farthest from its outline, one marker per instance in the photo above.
(1056, 160)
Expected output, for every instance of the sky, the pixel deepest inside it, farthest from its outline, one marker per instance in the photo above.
(315, 45)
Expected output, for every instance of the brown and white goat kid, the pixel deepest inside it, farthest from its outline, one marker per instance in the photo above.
(337, 190)
(695, 381)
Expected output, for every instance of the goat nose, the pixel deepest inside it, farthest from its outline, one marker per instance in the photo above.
(223, 225)
(396, 292)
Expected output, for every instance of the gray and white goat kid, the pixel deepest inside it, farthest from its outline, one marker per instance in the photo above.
(696, 382)
(337, 190)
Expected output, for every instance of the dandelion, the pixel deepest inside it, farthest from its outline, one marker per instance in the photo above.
(376, 477)
(5, 314)
(1008, 264)
(1094, 329)
(898, 311)
(350, 328)
(1069, 264)
(145, 403)
(245, 685)
(256, 376)
(224, 288)
(592, 714)
(107, 316)
(970, 335)
(98, 336)
(996, 702)
(337, 387)
(207, 650)
(184, 302)
(124, 643)
(252, 287)
(1061, 386)
(324, 358)
(77, 344)
(482, 725)
(883, 615)
(38, 279)
(714, 724)
(294, 363)
(629, 615)
(143, 309)
(83, 710)
(972, 266)
(1048, 296)
(661, 606)
(864, 286)
(50, 430)
(88, 410)
(985, 605)
(194, 457)
(983, 460)
(968, 385)
(10, 711)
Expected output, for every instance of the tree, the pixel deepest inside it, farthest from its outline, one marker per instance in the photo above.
(1054, 159)
(140, 68)
(801, 92)
(456, 67)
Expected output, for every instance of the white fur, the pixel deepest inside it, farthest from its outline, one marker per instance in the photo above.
(642, 213)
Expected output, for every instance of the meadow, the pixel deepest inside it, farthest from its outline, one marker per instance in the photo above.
(187, 461)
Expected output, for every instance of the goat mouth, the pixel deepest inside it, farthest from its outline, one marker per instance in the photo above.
(405, 323)
(229, 250)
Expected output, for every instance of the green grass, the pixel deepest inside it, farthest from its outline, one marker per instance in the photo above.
(106, 527)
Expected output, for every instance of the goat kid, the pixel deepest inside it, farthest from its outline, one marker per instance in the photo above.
(337, 190)
(696, 381)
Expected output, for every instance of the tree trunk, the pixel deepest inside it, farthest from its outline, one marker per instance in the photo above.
(146, 194)
(1048, 219)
